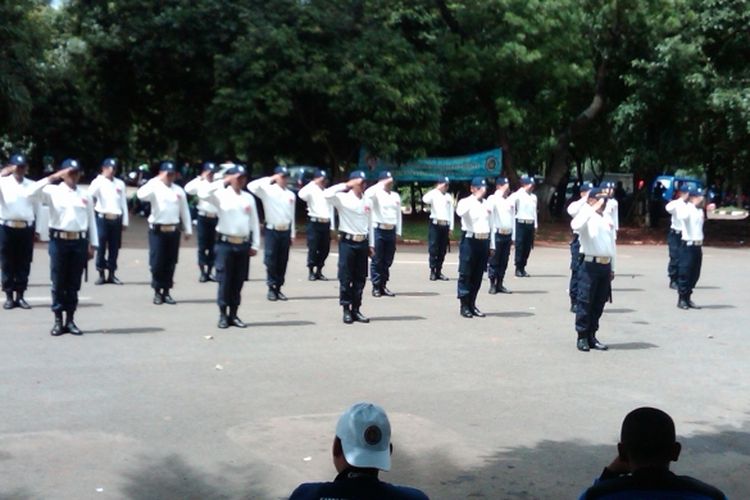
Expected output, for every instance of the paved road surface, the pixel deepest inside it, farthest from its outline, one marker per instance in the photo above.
(502, 407)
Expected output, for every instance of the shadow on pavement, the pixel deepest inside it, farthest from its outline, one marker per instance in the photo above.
(196, 301)
(145, 329)
(18, 494)
(708, 287)
(615, 310)
(718, 306)
(81, 305)
(316, 297)
(628, 290)
(510, 314)
(282, 323)
(549, 276)
(632, 346)
(398, 318)
(172, 477)
(563, 469)
(416, 294)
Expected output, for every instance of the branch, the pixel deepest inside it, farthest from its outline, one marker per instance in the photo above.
(450, 19)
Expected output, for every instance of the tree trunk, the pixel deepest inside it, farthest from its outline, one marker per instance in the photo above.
(561, 152)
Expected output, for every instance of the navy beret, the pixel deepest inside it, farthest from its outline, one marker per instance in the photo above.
(357, 174)
(281, 170)
(18, 160)
(167, 166)
(478, 182)
(70, 163)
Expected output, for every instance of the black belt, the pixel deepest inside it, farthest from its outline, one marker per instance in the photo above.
(107, 216)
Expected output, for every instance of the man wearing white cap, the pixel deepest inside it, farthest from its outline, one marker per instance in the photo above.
(361, 449)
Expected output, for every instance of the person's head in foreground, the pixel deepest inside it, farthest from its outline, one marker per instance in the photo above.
(647, 446)
(361, 449)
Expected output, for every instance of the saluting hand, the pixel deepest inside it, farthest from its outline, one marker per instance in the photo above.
(6, 171)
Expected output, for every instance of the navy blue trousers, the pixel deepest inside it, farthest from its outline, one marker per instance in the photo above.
(16, 252)
(438, 237)
(232, 268)
(575, 265)
(318, 243)
(206, 240)
(594, 289)
(163, 253)
(472, 262)
(385, 251)
(524, 243)
(674, 243)
(498, 263)
(276, 257)
(352, 271)
(67, 260)
(689, 268)
(110, 241)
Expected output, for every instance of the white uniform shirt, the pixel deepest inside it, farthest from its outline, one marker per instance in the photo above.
(441, 206)
(168, 204)
(238, 214)
(613, 209)
(194, 188)
(475, 216)
(673, 207)
(19, 200)
(575, 207)
(692, 219)
(317, 204)
(597, 233)
(386, 206)
(70, 210)
(525, 204)
(355, 213)
(110, 197)
(501, 217)
(278, 202)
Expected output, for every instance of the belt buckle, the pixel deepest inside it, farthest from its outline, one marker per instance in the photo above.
(235, 240)
(168, 228)
(111, 216)
(17, 224)
(281, 227)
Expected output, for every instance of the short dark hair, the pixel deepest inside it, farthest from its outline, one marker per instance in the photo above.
(648, 434)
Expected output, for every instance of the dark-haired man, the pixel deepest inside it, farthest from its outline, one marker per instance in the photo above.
(641, 469)
(362, 447)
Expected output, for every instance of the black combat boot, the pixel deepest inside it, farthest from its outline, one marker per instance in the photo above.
(433, 275)
(682, 302)
(493, 287)
(100, 280)
(234, 320)
(384, 290)
(223, 320)
(440, 275)
(319, 275)
(168, 298)
(204, 275)
(595, 344)
(112, 279)
(280, 295)
(466, 308)
(475, 310)
(348, 315)
(70, 325)
(376, 291)
(583, 342)
(271, 295)
(9, 302)
(57, 328)
(673, 285)
(690, 303)
(501, 288)
(210, 273)
(158, 299)
(20, 301)
(311, 274)
(358, 316)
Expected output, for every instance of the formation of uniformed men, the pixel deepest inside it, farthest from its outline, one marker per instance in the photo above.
(82, 222)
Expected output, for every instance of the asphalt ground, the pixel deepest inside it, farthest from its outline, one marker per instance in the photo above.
(145, 406)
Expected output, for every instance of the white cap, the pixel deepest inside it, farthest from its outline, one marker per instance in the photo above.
(365, 434)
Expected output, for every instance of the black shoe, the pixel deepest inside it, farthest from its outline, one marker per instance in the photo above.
(158, 299)
(113, 280)
(210, 275)
(223, 321)
(9, 302)
(100, 280)
(502, 289)
(573, 308)
(466, 309)
(57, 329)
(519, 273)
(376, 292)
(433, 276)
(320, 277)
(476, 312)
(235, 321)
(493, 289)
(70, 326)
(359, 317)
(691, 304)
(442, 277)
(311, 276)
(683, 304)
(524, 274)
(271, 295)
(21, 302)
(583, 345)
(673, 285)
(281, 296)
(348, 316)
(595, 344)
(384, 290)
(168, 299)
(203, 278)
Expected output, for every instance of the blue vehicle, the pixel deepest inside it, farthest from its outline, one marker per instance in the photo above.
(669, 183)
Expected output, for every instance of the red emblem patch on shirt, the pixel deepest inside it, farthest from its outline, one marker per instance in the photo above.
(248, 209)
(85, 201)
(367, 209)
(118, 190)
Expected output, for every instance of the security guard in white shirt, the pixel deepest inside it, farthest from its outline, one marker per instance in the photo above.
(502, 223)
(169, 209)
(278, 210)
(575, 244)
(355, 223)
(441, 226)
(386, 228)
(674, 237)
(73, 239)
(206, 224)
(597, 236)
(19, 205)
(613, 206)
(691, 247)
(526, 223)
(319, 225)
(237, 238)
(111, 207)
(474, 250)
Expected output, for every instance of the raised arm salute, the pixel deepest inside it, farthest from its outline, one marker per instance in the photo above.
(474, 248)
(525, 203)
(319, 225)
(207, 218)
(169, 209)
(441, 225)
(501, 222)
(386, 228)
(355, 223)
(111, 207)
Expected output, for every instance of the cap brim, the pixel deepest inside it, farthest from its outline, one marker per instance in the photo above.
(368, 458)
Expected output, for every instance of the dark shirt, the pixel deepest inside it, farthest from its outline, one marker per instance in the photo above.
(652, 484)
(356, 485)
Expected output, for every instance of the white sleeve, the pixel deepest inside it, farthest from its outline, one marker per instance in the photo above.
(187, 222)
(462, 206)
(254, 225)
(193, 186)
(331, 192)
(258, 186)
(536, 212)
(124, 204)
(427, 197)
(583, 215)
(292, 208)
(93, 190)
(93, 232)
(209, 192)
(451, 201)
(305, 192)
(146, 192)
(400, 222)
